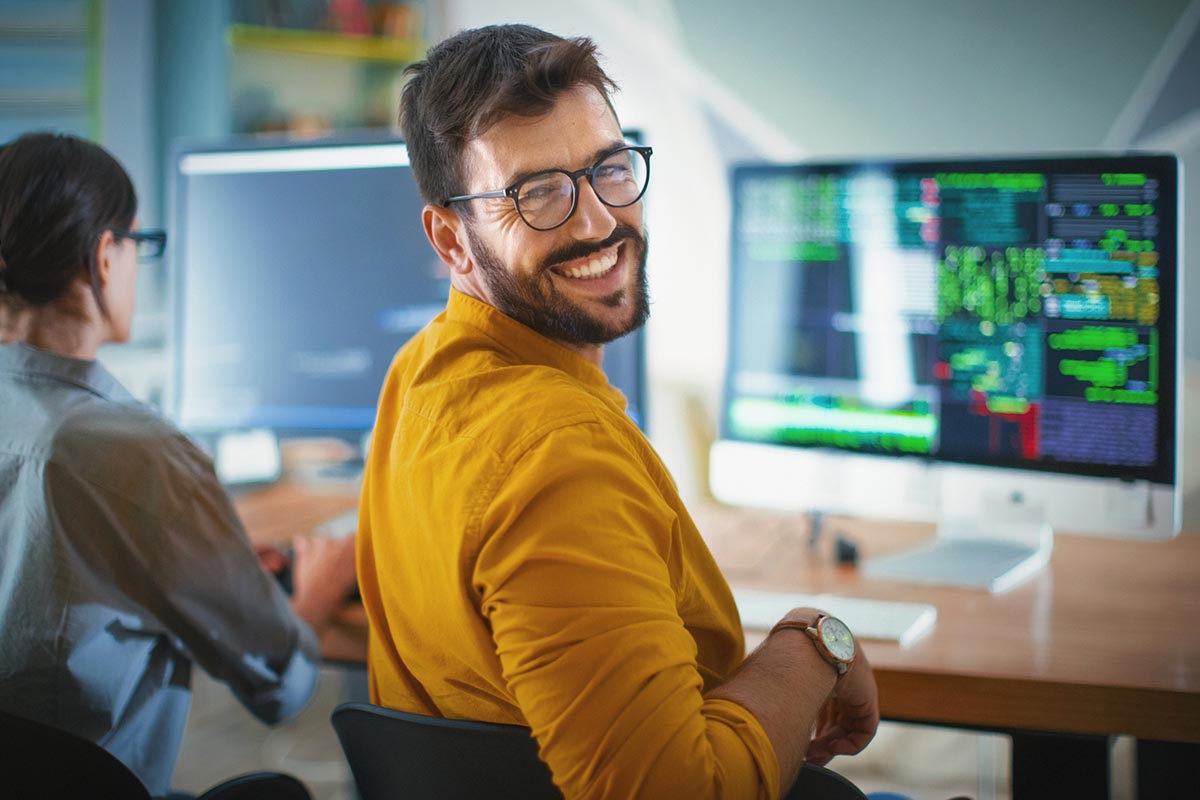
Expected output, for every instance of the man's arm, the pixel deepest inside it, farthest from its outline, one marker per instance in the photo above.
(789, 688)
(581, 575)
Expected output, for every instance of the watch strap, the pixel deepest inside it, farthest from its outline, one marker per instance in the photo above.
(809, 623)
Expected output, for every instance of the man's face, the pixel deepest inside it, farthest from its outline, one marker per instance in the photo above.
(583, 283)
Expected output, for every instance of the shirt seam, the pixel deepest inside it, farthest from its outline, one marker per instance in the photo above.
(49, 459)
(51, 377)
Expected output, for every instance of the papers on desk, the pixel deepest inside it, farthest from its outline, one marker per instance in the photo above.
(888, 620)
(339, 527)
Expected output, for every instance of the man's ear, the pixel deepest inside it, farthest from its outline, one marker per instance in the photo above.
(104, 257)
(447, 233)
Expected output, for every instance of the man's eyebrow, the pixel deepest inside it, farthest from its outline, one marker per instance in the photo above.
(592, 159)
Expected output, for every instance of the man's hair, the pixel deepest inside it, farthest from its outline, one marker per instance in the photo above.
(471, 81)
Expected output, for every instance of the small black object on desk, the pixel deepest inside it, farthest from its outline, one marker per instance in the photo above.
(845, 551)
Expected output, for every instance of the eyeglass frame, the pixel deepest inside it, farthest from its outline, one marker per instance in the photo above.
(511, 191)
(156, 235)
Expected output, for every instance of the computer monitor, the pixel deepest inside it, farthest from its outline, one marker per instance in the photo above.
(299, 269)
(957, 339)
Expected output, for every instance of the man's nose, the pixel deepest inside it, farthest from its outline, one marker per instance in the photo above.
(592, 219)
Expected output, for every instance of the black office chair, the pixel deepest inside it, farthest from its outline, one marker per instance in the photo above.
(40, 760)
(397, 754)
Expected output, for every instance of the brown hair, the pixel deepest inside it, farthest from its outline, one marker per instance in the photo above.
(58, 194)
(471, 81)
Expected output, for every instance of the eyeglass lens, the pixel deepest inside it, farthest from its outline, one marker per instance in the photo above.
(545, 200)
(150, 247)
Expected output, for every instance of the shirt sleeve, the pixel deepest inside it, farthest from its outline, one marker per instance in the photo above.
(176, 550)
(577, 574)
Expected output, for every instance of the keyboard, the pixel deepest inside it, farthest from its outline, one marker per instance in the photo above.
(974, 563)
(869, 619)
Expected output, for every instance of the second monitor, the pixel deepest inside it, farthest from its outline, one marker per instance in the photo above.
(960, 338)
(299, 269)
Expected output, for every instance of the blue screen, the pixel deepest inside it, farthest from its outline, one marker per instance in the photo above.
(299, 272)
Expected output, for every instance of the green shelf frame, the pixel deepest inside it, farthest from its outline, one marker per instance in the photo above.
(324, 43)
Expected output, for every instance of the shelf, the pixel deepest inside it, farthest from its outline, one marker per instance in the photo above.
(322, 43)
(36, 31)
(44, 101)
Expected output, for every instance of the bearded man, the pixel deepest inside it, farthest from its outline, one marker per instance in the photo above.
(524, 556)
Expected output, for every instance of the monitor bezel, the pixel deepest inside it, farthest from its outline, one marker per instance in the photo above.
(1166, 471)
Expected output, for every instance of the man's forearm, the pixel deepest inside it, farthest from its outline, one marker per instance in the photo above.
(783, 684)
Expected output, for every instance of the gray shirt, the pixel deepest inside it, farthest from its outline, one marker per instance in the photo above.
(121, 562)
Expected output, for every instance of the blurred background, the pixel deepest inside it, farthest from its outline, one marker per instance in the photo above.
(707, 83)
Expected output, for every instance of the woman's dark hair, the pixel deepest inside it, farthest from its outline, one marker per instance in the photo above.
(471, 81)
(58, 194)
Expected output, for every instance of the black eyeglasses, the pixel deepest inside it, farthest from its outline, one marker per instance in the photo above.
(546, 200)
(150, 244)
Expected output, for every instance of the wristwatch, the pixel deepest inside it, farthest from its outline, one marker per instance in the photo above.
(833, 639)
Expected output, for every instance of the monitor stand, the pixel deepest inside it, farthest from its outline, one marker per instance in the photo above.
(1008, 541)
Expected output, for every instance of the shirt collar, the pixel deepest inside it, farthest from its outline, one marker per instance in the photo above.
(85, 374)
(529, 346)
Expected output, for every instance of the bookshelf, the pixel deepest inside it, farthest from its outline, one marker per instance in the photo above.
(339, 70)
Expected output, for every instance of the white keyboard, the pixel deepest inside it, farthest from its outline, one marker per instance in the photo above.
(868, 619)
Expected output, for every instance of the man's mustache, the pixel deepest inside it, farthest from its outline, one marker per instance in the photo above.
(575, 250)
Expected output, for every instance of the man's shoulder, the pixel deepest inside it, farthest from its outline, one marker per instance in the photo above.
(512, 399)
(497, 403)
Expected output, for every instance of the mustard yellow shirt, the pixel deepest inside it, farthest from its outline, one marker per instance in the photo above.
(525, 558)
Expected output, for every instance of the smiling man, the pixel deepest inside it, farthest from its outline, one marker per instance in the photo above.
(524, 557)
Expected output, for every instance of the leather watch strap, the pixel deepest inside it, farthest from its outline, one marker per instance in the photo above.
(808, 623)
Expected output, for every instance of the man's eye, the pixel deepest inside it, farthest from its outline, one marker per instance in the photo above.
(612, 173)
(540, 193)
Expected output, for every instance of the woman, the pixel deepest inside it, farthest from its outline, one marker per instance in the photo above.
(122, 560)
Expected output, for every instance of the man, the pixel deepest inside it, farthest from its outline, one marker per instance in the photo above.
(523, 554)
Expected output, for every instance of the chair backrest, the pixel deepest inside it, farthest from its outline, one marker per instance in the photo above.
(43, 761)
(399, 754)
(819, 783)
(258, 786)
(39, 760)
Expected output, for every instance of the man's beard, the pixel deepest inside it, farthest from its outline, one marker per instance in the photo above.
(536, 303)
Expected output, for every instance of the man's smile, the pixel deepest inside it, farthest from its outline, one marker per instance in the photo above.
(590, 267)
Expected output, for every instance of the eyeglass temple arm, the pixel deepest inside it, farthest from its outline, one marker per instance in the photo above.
(480, 196)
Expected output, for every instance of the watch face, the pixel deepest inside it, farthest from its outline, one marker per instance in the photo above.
(837, 638)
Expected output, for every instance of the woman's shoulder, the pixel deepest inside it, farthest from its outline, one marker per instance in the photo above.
(129, 448)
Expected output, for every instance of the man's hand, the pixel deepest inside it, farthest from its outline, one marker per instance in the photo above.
(849, 718)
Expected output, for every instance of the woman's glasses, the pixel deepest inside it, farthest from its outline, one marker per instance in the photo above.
(150, 244)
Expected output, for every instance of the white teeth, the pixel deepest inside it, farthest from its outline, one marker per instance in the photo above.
(595, 267)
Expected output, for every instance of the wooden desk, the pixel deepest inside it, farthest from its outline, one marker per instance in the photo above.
(1103, 642)
(273, 515)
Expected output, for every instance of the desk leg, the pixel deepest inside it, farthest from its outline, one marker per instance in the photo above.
(1167, 769)
(1056, 766)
